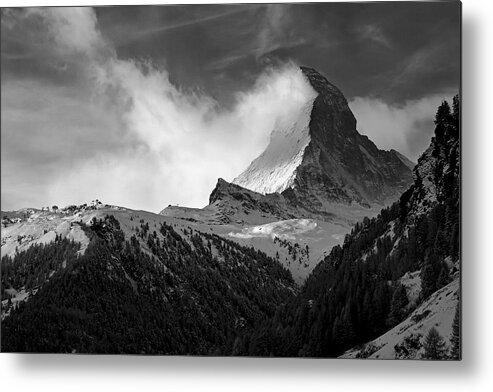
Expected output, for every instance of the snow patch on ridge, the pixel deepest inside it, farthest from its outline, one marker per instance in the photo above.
(286, 229)
(275, 169)
(42, 227)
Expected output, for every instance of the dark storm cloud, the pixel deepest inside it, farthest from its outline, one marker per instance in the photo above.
(393, 51)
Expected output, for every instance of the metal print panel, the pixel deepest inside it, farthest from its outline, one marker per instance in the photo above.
(232, 180)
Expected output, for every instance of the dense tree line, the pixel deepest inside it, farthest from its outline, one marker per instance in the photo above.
(32, 267)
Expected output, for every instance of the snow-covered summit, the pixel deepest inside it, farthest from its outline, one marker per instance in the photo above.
(275, 169)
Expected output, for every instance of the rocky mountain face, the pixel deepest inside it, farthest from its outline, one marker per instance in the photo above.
(232, 204)
(242, 204)
(395, 277)
(333, 163)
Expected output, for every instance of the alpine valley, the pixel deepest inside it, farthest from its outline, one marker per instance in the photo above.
(324, 246)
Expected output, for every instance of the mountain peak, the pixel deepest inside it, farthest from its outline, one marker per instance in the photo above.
(317, 156)
(320, 83)
(222, 188)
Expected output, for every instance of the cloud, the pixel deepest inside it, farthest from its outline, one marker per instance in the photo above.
(272, 29)
(194, 21)
(406, 128)
(276, 30)
(98, 126)
(72, 29)
(373, 33)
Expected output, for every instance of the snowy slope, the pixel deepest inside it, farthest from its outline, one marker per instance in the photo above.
(274, 170)
(287, 229)
(437, 311)
(298, 244)
(30, 226)
(41, 227)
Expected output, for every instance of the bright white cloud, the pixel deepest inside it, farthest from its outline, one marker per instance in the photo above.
(407, 128)
(71, 28)
(170, 146)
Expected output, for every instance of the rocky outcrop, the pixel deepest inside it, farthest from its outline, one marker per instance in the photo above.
(241, 204)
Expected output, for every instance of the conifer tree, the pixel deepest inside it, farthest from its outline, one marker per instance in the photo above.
(428, 279)
(397, 306)
(443, 113)
(456, 109)
(434, 345)
(443, 276)
(455, 352)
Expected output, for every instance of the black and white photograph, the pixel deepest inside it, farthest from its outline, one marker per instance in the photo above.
(233, 180)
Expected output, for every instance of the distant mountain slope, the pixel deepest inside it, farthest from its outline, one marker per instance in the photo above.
(318, 157)
(410, 164)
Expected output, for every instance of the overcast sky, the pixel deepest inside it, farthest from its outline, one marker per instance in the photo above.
(147, 106)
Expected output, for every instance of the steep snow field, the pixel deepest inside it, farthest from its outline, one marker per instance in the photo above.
(437, 311)
(274, 170)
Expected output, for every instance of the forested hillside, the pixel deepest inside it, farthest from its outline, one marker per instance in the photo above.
(158, 292)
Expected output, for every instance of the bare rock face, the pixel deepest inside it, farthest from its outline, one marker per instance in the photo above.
(238, 204)
(231, 199)
(332, 164)
(340, 164)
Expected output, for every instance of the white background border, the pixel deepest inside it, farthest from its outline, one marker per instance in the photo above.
(474, 373)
